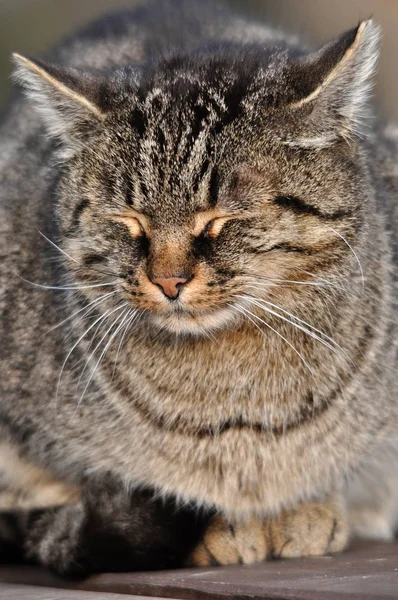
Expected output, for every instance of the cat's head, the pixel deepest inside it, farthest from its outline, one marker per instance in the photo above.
(202, 184)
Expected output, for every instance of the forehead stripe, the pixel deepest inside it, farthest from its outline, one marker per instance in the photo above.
(299, 207)
(76, 215)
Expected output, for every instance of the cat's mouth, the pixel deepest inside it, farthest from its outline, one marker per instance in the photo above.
(182, 320)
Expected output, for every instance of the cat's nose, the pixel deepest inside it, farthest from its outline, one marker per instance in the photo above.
(170, 286)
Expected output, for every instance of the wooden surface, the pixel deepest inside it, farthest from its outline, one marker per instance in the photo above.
(366, 572)
(29, 592)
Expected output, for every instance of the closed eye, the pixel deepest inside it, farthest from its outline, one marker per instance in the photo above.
(210, 229)
(134, 225)
(213, 228)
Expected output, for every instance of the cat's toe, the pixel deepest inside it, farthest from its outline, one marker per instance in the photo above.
(226, 543)
(309, 530)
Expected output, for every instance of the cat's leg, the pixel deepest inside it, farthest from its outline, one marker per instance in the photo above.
(307, 530)
(23, 487)
(110, 529)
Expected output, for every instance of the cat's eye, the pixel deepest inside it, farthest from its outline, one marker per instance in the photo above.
(213, 227)
(142, 230)
(207, 229)
(133, 224)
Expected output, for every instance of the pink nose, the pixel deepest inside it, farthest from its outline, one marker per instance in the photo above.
(170, 286)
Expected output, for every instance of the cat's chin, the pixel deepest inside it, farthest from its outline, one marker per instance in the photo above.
(198, 324)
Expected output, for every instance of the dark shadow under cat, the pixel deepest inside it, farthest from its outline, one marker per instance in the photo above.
(109, 529)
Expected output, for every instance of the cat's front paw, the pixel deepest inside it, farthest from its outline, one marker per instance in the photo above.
(308, 530)
(225, 543)
(54, 538)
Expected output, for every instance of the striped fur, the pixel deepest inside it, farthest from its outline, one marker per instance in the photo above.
(181, 141)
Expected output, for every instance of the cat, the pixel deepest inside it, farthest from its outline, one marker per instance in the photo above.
(198, 289)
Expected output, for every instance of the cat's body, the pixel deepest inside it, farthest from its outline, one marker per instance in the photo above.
(214, 412)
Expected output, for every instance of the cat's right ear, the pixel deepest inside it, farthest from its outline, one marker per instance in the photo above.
(68, 100)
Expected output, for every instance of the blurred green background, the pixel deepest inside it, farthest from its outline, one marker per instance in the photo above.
(30, 26)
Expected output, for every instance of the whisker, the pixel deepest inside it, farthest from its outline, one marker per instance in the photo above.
(320, 283)
(295, 282)
(104, 316)
(247, 312)
(97, 346)
(328, 281)
(92, 304)
(57, 247)
(130, 320)
(313, 275)
(304, 323)
(73, 259)
(63, 288)
(256, 302)
(354, 253)
(233, 306)
(86, 316)
(102, 353)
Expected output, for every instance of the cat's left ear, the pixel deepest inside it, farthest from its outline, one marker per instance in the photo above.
(335, 84)
(71, 103)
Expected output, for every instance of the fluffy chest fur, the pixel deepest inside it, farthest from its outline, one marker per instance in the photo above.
(237, 423)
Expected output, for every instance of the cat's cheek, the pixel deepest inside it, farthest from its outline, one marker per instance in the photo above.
(274, 265)
(197, 291)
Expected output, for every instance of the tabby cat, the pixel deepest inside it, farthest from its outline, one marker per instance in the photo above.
(198, 345)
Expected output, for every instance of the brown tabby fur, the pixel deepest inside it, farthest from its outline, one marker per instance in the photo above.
(193, 144)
